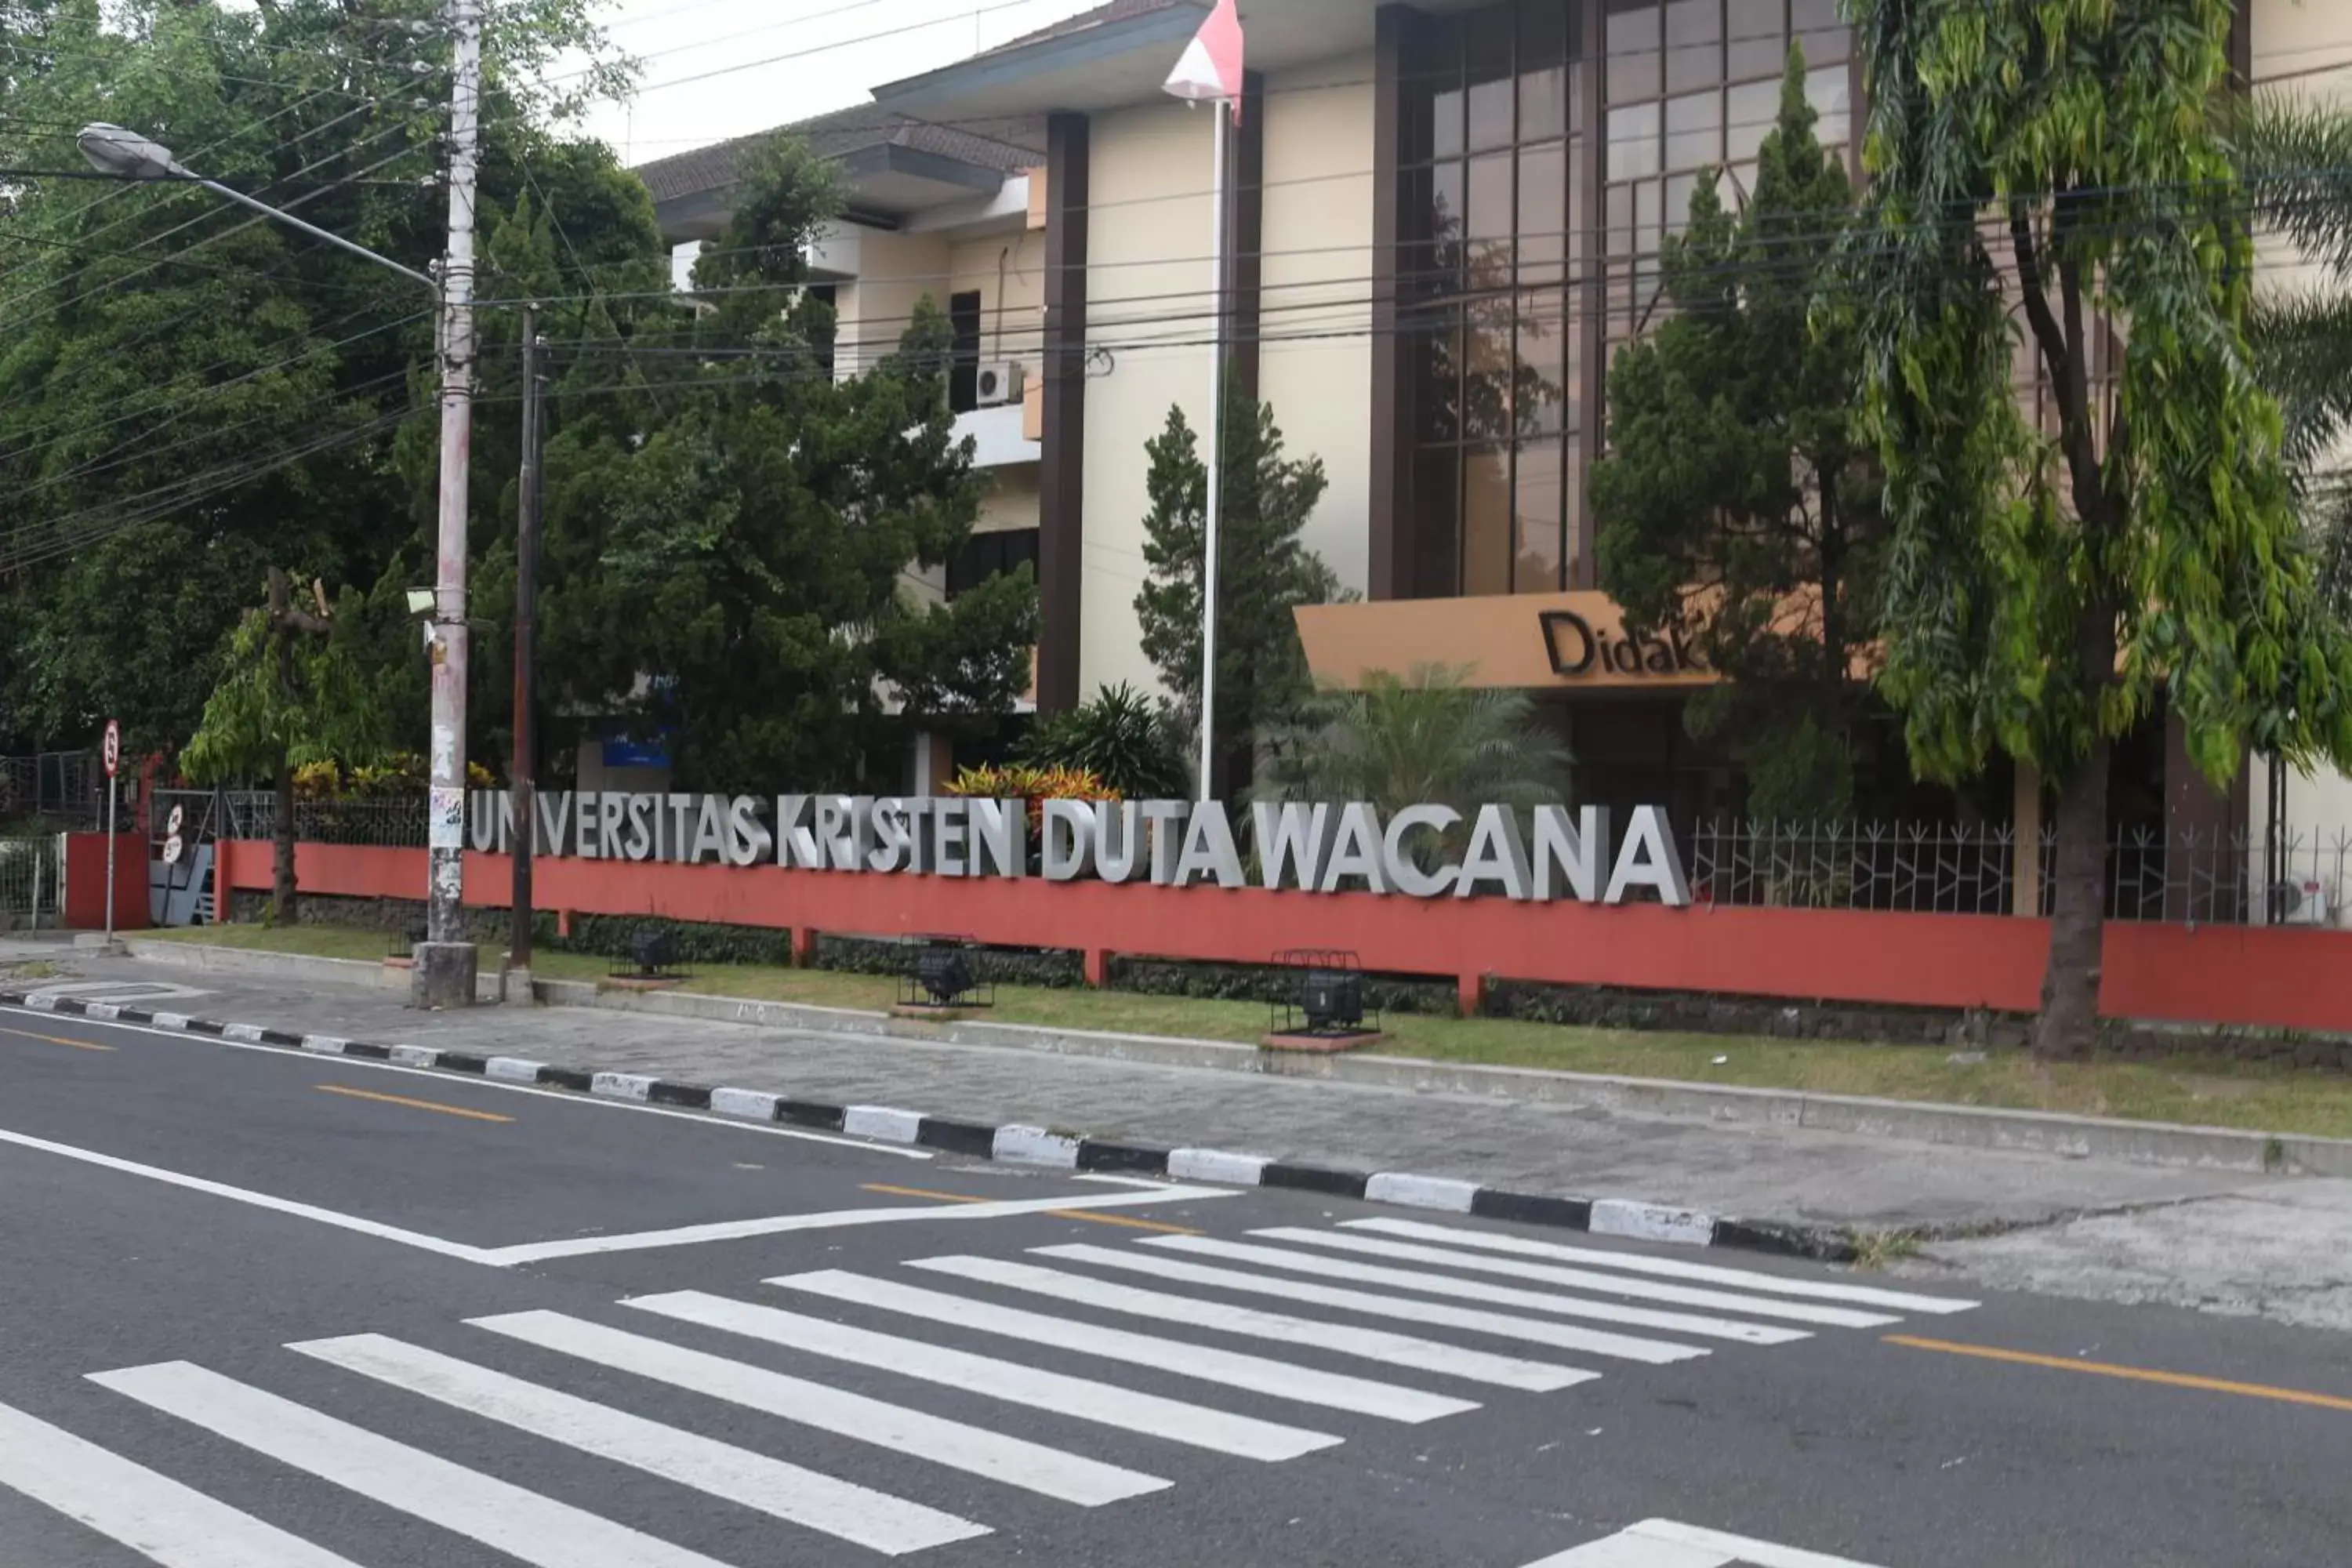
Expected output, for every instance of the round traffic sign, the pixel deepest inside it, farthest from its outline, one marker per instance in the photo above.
(113, 750)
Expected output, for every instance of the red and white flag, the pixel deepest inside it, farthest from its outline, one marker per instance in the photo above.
(1210, 70)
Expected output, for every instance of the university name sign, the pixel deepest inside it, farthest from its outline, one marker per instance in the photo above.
(1549, 854)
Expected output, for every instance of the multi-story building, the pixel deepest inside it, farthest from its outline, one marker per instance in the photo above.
(1057, 203)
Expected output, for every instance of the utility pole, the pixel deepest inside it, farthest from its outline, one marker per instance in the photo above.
(445, 963)
(523, 781)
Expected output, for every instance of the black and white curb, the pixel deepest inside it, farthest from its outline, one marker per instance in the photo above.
(1023, 1144)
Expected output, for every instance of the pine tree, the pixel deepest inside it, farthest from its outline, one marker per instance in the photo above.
(1738, 499)
(1264, 572)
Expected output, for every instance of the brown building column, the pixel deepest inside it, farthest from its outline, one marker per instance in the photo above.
(1061, 475)
(1246, 251)
(1391, 575)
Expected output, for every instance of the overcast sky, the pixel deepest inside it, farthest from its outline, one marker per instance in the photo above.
(838, 49)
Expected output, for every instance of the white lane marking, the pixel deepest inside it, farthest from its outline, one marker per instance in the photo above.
(1082, 1399)
(1372, 1345)
(1257, 1373)
(1627, 1550)
(1662, 1543)
(1560, 1336)
(257, 1200)
(151, 1514)
(416, 1061)
(1485, 1290)
(819, 1502)
(1031, 1467)
(522, 1524)
(1622, 1285)
(778, 1225)
(1663, 1267)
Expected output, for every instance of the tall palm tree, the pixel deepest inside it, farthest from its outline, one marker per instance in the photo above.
(2296, 156)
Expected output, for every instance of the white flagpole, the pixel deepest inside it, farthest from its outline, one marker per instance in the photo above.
(1217, 460)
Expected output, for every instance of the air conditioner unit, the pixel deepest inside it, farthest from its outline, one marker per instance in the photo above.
(999, 384)
(2299, 902)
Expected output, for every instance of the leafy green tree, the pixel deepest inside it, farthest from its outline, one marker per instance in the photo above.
(2297, 161)
(1264, 572)
(190, 394)
(1738, 499)
(757, 535)
(1132, 743)
(2045, 589)
(1426, 736)
(292, 695)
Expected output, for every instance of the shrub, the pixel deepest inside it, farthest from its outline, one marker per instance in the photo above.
(1132, 743)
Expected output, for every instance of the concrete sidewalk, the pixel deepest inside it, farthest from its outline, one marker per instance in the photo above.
(1780, 1173)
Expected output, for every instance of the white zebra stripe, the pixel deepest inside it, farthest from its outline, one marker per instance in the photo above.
(151, 1514)
(522, 1524)
(1031, 1467)
(1574, 1278)
(1081, 1399)
(1605, 1311)
(1373, 1344)
(1258, 1374)
(1663, 1267)
(1563, 1336)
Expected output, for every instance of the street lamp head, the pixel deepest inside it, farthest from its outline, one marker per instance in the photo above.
(126, 155)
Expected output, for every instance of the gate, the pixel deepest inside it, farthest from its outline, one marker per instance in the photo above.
(32, 881)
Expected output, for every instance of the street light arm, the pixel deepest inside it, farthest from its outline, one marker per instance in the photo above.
(313, 230)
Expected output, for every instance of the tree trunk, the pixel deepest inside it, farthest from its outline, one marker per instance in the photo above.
(281, 880)
(2068, 1028)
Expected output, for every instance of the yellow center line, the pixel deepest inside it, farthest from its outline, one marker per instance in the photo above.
(57, 1040)
(412, 1104)
(1118, 1219)
(2134, 1373)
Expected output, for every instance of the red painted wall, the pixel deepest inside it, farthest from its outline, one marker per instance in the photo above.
(86, 882)
(2220, 974)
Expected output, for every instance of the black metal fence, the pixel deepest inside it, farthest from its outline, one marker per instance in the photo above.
(2288, 876)
(66, 789)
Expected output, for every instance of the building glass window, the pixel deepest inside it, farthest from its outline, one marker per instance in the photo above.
(1495, 398)
(1502, 273)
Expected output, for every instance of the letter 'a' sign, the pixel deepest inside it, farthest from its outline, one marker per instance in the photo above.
(1419, 851)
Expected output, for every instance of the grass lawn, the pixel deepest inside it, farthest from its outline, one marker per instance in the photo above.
(2185, 1089)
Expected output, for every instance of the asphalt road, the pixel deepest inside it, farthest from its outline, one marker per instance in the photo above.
(259, 1310)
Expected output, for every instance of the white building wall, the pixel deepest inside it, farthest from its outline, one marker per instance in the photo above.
(1149, 286)
(1317, 292)
(893, 273)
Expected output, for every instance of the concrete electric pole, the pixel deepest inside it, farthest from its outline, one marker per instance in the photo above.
(444, 962)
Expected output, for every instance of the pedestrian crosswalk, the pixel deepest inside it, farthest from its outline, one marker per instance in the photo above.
(1256, 1349)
